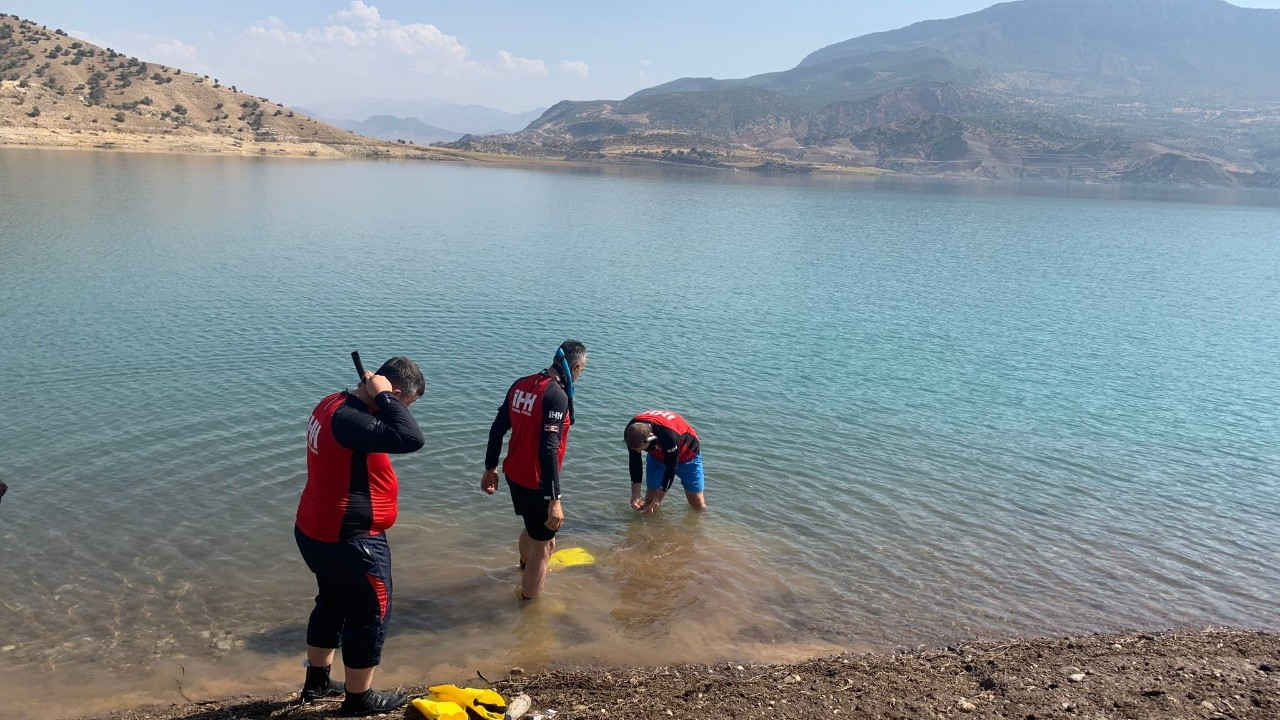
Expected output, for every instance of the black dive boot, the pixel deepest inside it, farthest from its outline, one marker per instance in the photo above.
(371, 702)
(318, 685)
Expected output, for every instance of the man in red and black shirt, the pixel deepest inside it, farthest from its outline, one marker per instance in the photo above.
(346, 507)
(538, 410)
(674, 451)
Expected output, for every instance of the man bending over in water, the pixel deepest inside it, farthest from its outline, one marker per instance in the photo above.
(673, 450)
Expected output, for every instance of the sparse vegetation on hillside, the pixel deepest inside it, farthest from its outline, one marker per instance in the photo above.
(1003, 93)
(54, 87)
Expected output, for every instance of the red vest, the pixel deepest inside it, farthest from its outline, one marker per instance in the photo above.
(349, 493)
(675, 424)
(524, 403)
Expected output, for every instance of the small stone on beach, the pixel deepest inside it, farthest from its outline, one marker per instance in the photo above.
(1076, 677)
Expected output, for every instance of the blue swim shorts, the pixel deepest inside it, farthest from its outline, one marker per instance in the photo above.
(689, 472)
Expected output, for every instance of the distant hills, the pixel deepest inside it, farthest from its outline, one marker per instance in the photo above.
(1094, 90)
(57, 90)
(386, 127)
(442, 114)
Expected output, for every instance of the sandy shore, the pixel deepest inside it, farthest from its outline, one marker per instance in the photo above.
(194, 143)
(1212, 673)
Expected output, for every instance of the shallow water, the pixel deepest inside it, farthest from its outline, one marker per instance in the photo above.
(929, 411)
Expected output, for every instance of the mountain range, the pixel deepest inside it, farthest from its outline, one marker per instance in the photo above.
(445, 116)
(1094, 90)
(390, 128)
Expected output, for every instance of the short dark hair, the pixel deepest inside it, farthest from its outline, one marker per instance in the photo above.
(404, 376)
(637, 433)
(574, 351)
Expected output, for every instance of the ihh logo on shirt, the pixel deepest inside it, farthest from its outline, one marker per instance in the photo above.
(313, 435)
(522, 402)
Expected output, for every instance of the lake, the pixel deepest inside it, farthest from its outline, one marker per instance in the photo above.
(929, 411)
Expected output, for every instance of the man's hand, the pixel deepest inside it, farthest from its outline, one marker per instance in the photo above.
(636, 501)
(555, 516)
(652, 499)
(489, 481)
(375, 385)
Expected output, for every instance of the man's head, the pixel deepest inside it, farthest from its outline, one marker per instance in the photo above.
(405, 378)
(576, 353)
(638, 435)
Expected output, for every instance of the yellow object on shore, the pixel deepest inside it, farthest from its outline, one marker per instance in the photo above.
(569, 557)
(473, 702)
(434, 710)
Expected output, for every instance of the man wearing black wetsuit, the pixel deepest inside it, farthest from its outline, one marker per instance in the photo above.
(349, 502)
(538, 410)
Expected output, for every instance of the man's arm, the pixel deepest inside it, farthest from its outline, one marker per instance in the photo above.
(391, 430)
(497, 431)
(555, 403)
(636, 465)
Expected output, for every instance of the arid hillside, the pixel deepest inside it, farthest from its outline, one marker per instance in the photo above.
(56, 90)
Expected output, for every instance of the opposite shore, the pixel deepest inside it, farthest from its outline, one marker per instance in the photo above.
(1205, 673)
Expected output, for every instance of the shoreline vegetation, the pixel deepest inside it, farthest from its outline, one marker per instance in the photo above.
(1204, 673)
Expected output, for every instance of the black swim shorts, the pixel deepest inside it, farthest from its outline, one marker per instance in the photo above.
(533, 507)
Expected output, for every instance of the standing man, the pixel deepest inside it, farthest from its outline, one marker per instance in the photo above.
(346, 508)
(538, 410)
(673, 449)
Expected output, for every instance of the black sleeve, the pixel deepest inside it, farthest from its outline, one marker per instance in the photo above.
(497, 431)
(555, 403)
(391, 430)
(635, 465)
(669, 442)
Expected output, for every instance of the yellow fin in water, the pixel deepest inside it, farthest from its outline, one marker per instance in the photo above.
(436, 710)
(569, 557)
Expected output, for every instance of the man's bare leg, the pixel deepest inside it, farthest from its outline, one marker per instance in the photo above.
(359, 680)
(535, 572)
(696, 501)
(526, 543)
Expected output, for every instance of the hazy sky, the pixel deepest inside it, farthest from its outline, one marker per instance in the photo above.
(501, 53)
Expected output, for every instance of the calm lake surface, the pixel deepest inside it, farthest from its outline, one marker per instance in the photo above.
(929, 412)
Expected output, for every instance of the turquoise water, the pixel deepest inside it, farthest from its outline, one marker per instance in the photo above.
(929, 411)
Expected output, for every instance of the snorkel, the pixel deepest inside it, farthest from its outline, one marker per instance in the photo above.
(562, 364)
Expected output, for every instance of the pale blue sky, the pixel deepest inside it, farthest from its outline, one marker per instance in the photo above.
(501, 53)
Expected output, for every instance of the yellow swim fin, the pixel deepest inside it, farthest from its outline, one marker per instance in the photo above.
(476, 703)
(435, 710)
(569, 557)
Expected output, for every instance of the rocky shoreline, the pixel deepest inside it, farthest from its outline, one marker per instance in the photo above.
(1208, 673)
